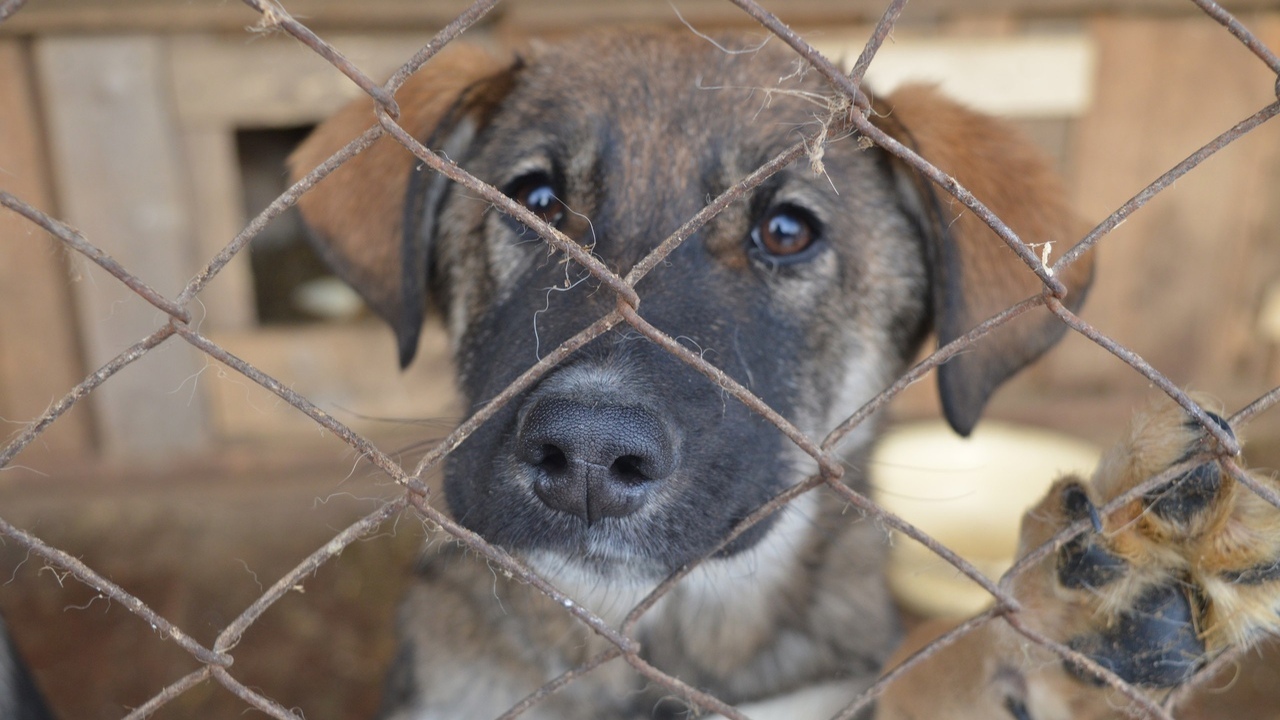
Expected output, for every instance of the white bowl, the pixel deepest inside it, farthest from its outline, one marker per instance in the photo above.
(969, 494)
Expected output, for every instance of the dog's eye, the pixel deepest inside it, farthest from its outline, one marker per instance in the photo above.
(537, 192)
(1017, 708)
(785, 232)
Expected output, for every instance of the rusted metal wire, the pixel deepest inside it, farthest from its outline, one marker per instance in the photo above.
(828, 464)
(366, 449)
(868, 696)
(273, 210)
(844, 84)
(253, 698)
(230, 636)
(1143, 706)
(1242, 33)
(9, 7)
(1121, 213)
(1225, 439)
(170, 693)
(848, 112)
(76, 241)
(509, 563)
(108, 589)
(468, 17)
(878, 36)
(119, 362)
(499, 200)
(519, 385)
(925, 366)
(1262, 404)
(274, 16)
(559, 683)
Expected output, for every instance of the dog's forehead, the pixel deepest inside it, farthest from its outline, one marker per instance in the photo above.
(675, 82)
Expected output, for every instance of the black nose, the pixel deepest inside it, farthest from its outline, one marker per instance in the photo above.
(594, 460)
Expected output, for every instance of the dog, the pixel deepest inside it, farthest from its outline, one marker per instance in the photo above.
(814, 291)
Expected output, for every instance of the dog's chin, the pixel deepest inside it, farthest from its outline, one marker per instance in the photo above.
(613, 568)
(608, 555)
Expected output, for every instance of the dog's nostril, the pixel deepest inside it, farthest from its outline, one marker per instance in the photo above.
(627, 469)
(553, 459)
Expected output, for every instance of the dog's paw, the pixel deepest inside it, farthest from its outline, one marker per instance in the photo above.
(1173, 575)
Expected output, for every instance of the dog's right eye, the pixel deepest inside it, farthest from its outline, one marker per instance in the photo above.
(537, 192)
(787, 234)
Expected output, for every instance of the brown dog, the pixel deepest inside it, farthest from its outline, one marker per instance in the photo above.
(623, 463)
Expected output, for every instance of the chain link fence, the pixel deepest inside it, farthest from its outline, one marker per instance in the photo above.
(216, 659)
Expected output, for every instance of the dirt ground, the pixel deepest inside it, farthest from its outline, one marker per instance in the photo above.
(198, 540)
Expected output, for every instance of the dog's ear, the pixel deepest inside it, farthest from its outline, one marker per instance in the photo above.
(372, 219)
(974, 275)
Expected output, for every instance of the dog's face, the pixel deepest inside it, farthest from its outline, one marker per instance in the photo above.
(810, 292)
(813, 291)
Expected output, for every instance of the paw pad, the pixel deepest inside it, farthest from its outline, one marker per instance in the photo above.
(1153, 643)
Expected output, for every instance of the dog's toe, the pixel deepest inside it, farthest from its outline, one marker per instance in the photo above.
(1182, 498)
(1084, 561)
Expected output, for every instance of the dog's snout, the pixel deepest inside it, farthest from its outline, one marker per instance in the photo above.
(594, 460)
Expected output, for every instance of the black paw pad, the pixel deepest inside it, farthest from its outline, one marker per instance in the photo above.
(1181, 498)
(1217, 420)
(1153, 644)
(1256, 575)
(1082, 564)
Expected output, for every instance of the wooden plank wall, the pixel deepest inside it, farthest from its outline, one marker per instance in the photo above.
(39, 354)
(541, 16)
(1182, 282)
(110, 127)
(1183, 278)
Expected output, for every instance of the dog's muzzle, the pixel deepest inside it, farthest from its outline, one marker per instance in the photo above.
(594, 460)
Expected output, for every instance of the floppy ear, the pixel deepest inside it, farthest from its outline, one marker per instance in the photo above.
(974, 275)
(372, 219)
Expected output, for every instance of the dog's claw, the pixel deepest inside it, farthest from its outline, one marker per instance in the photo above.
(1083, 563)
(1153, 644)
(1077, 505)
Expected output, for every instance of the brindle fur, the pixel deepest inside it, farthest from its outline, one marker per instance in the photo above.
(637, 131)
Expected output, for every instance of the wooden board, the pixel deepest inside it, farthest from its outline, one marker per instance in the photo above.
(227, 302)
(274, 81)
(119, 181)
(1181, 281)
(39, 358)
(531, 15)
(349, 371)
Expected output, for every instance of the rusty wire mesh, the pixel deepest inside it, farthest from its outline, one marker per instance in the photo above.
(216, 659)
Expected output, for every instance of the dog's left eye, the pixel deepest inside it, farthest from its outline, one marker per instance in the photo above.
(537, 192)
(785, 233)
